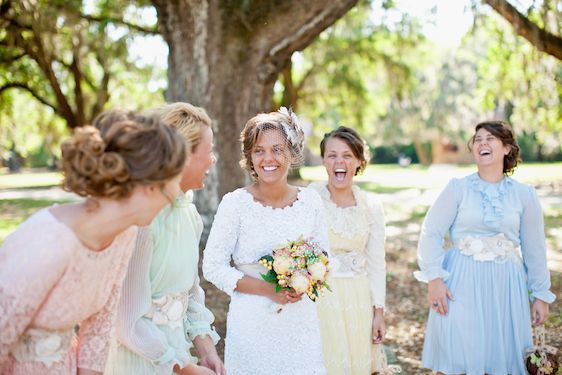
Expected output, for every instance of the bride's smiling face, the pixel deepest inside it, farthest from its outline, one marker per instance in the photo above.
(340, 163)
(270, 156)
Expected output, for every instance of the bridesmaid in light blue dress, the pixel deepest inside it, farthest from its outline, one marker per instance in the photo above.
(479, 289)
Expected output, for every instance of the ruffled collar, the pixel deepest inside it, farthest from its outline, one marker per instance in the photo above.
(346, 221)
(492, 198)
(184, 200)
(322, 189)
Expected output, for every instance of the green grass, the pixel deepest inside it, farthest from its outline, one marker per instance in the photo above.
(14, 211)
(29, 179)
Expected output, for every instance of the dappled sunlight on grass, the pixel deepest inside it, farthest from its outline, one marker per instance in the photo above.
(29, 179)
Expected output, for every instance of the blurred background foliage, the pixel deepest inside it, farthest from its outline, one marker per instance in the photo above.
(62, 62)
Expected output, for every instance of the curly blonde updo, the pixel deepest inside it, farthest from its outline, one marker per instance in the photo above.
(286, 123)
(120, 151)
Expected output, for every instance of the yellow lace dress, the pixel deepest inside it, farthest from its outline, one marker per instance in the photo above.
(358, 283)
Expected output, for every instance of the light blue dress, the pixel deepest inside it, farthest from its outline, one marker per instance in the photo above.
(488, 326)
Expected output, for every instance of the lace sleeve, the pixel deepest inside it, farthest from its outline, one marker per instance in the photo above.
(95, 331)
(199, 318)
(94, 335)
(32, 260)
(376, 264)
(220, 245)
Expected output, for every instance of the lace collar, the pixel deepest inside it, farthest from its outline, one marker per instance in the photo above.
(346, 221)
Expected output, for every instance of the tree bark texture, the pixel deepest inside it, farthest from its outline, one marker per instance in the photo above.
(225, 56)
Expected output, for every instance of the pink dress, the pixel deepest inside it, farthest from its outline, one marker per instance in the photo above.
(49, 284)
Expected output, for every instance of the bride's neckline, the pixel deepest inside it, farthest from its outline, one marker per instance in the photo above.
(298, 198)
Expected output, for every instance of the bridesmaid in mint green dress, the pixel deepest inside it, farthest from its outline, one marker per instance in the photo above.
(162, 309)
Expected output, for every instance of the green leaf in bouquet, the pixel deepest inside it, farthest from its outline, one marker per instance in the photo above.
(269, 258)
(535, 360)
(279, 288)
(327, 287)
(270, 277)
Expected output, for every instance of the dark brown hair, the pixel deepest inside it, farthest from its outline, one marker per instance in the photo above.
(357, 145)
(504, 133)
(120, 151)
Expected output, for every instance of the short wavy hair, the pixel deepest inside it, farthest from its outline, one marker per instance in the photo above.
(357, 145)
(284, 123)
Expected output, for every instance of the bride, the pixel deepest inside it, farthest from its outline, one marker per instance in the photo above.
(249, 223)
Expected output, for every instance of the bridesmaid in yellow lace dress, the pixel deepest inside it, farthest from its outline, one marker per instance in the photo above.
(351, 317)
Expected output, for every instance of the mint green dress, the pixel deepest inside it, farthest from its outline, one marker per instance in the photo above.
(162, 307)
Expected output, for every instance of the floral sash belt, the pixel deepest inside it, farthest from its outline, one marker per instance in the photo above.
(169, 310)
(490, 249)
(348, 264)
(42, 345)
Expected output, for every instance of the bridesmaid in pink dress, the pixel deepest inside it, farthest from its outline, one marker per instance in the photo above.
(61, 271)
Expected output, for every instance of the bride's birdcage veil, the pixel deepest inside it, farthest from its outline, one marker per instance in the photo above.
(286, 125)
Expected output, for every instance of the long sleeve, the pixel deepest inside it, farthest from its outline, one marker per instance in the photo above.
(376, 264)
(140, 334)
(220, 246)
(533, 248)
(320, 232)
(198, 317)
(32, 260)
(437, 223)
(95, 335)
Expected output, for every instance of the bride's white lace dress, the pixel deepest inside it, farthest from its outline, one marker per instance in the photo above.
(258, 339)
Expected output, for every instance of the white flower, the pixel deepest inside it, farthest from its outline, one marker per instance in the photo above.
(48, 346)
(299, 282)
(317, 271)
(281, 264)
(292, 133)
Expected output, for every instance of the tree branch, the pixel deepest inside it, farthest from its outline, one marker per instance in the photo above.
(540, 38)
(12, 59)
(304, 27)
(23, 86)
(119, 21)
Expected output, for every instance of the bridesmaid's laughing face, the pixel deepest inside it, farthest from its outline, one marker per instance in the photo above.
(488, 150)
(340, 163)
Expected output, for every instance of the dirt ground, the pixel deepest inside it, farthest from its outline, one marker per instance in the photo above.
(406, 298)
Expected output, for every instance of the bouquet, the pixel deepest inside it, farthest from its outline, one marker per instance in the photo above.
(541, 359)
(301, 265)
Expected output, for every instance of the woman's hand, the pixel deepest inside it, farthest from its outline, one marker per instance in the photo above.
(539, 312)
(379, 329)
(284, 296)
(213, 362)
(437, 293)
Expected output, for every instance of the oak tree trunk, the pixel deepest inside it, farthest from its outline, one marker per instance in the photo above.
(225, 56)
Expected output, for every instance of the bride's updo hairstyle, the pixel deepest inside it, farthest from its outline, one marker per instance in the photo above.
(120, 151)
(286, 122)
